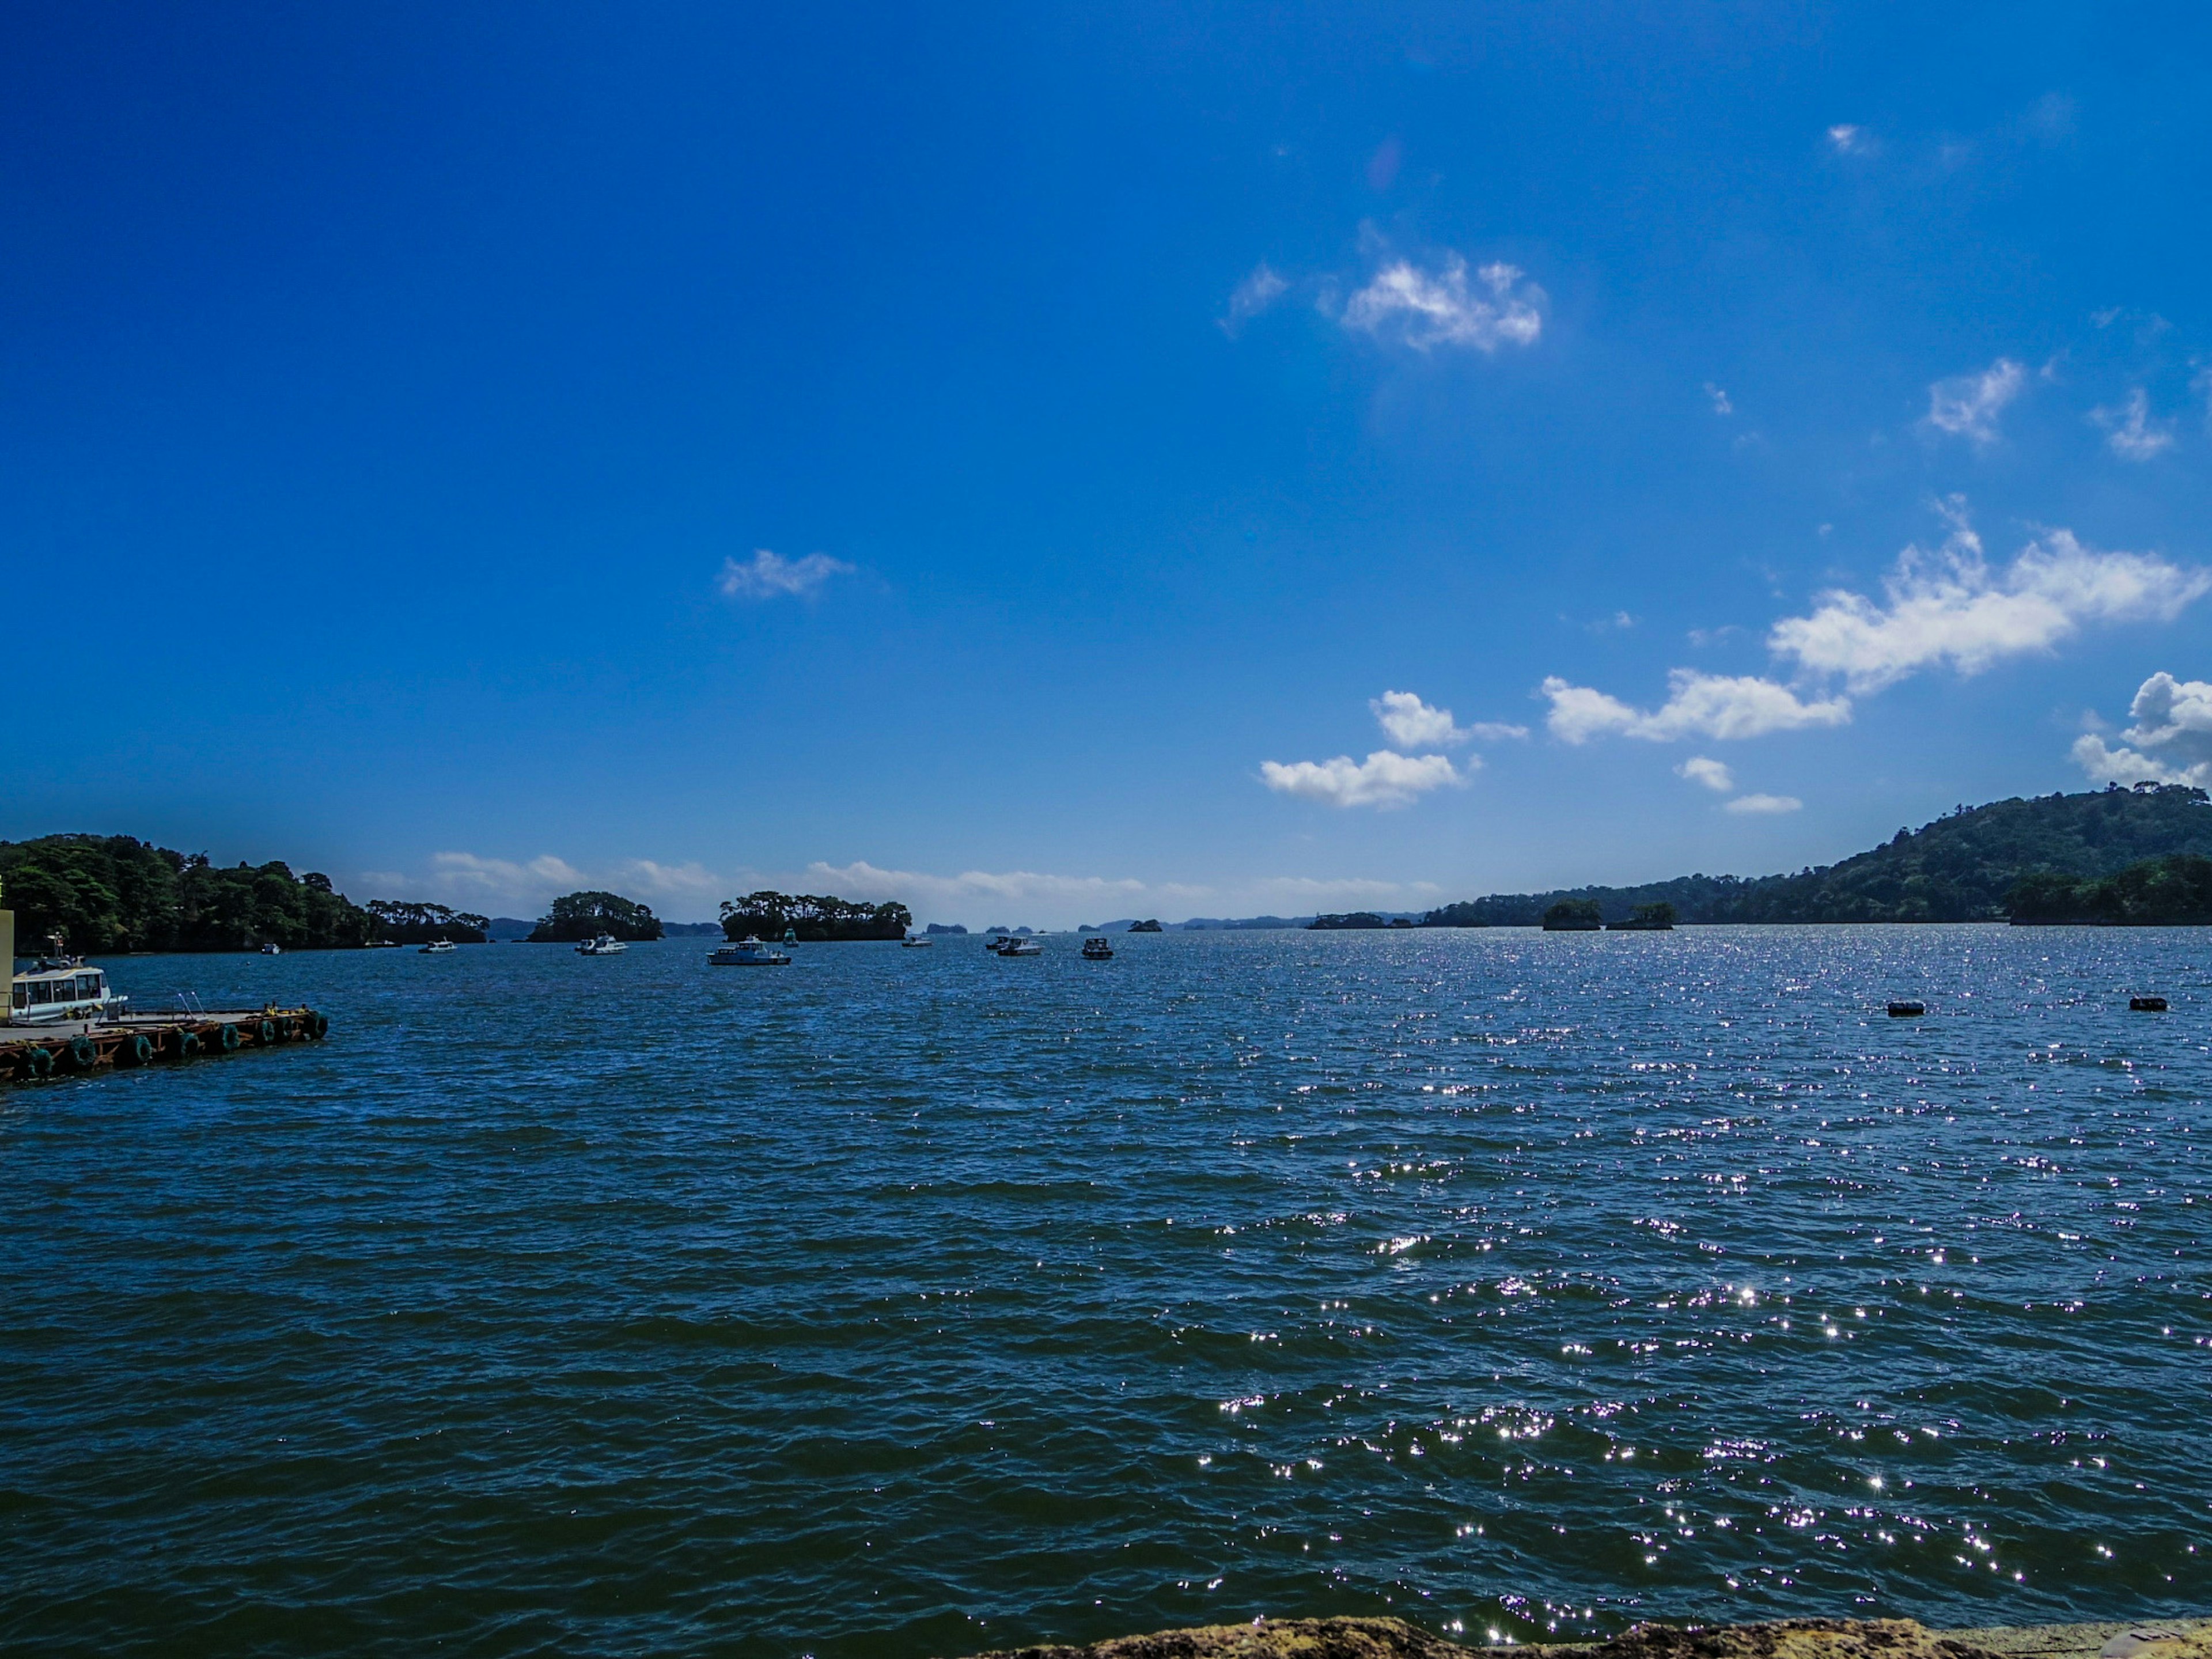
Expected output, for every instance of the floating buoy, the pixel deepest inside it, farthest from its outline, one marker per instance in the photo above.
(84, 1054)
(226, 1038)
(137, 1049)
(1903, 1009)
(2147, 1004)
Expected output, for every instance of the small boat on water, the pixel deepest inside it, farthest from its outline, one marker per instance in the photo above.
(60, 987)
(1014, 945)
(917, 942)
(749, 952)
(1095, 949)
(439, 947)
(272, 950)
(606, 945)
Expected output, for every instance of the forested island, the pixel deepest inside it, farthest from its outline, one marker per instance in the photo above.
(2157, 892)
(1965, 866)
(106, 895)
(811, 917)
(577, 916)
(404, 921)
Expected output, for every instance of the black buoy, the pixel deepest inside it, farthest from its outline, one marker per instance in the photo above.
(1903, 1009)
(2147, 1004)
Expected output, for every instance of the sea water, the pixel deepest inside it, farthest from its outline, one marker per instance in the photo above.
(909, 1303)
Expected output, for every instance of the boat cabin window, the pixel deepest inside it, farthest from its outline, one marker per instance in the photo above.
(22, 997)
(87, 985)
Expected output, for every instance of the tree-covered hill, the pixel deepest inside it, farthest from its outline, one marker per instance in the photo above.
(106, 894)
(811, 917)
(577, 916)
(1960, 868)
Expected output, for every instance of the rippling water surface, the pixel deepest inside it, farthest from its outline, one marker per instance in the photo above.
(908, 1302)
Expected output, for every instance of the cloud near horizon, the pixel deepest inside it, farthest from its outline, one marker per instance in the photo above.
(2172, 735)
(1384, 780)
(1728, 707)
(1714, 775)
(1762, 804)
(768, 575)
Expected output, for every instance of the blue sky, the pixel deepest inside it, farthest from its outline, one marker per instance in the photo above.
(1048, 464)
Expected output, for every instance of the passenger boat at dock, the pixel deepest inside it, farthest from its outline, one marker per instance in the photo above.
(60, 987)
(749, 952)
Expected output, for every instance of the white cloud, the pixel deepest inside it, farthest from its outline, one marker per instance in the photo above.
(1949, 607)
(1720, 403)
(1382, 780)
(768, 575)
(2172, 735)
(1031, 897)
(1847, 140)
(2130, 433)
(1412, 724)
(1424, 309)
(1763, 804)
(1252, 297)
(1967, 405)
(1697, 705)
(1713, 774)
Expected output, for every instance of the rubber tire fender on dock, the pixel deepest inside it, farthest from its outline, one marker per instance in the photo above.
(226, 1038)
(35, 1061)
(279, 1029)
(185, 1044)
(266, 1032)
(318, 1025)
(83, 1052)
(137, 1049)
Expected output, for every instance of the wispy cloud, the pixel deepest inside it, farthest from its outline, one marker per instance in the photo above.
(2129, 432)
(459, 877)
(1949, 607)
(1721, 706)
(768, 575)
(1427, 308)
(1714, 775)
(1844, 139)
(1385, 779)
(1762, 804)
(1967, 405)
(2171, 737)
(1720, 400)
(1259, 290)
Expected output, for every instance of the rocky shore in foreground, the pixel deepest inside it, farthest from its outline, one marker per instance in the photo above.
(1795, 1638)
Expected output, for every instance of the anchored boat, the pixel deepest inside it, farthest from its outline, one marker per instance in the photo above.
(606, 945)
(749, 952)
(1095, 949)
(438, 947)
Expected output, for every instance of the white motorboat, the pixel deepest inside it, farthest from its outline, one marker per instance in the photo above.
(438, 947)
(272, 950)
(917, 942)
(60, 987)
(606, 945)
(1015, 945)
(749, 952)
